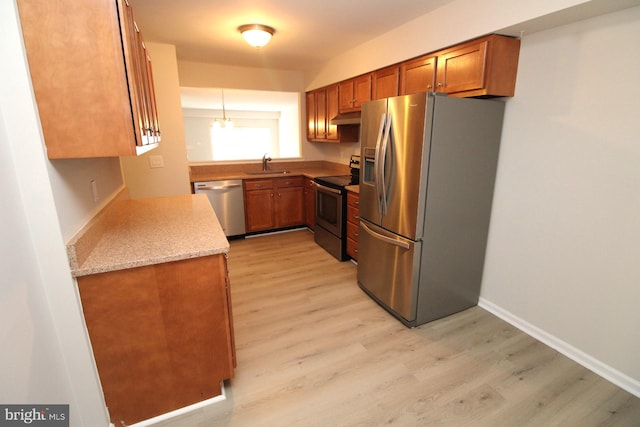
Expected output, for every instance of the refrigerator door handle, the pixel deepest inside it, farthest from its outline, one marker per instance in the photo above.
(383, 164)
(378, 175)
(385, 239)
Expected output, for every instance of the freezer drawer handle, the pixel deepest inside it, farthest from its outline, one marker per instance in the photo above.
(386, 239)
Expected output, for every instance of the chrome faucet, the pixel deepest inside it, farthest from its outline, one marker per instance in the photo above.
(265, 159)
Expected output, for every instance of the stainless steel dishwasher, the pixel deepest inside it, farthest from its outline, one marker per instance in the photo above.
(227, 201)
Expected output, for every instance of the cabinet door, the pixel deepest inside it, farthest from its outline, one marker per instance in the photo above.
(353, 218)
(462, 69)
(418, 75)
(332, 110)
(140, 78)
(161, 335)
(321, 114)
(259, 207)
(354, 92)
(352, 247)
(362, 89)
(346, 95)
(311, 115)
(385, 82)
(85, 110)
(309, 203)
(289, 207)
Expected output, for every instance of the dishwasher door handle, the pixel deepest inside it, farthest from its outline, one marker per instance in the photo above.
(211, 188)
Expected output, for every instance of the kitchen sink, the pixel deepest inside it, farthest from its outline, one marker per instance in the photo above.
(268, 173)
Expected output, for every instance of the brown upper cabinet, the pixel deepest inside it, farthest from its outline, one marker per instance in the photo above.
(418, 75)
(385, 82)
(483, 67)
(322, 106)
(354, 92)
(93, 85)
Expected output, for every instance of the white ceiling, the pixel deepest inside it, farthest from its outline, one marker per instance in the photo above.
(308, 33)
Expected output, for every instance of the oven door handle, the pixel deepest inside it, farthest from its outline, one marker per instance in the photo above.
(323, 188)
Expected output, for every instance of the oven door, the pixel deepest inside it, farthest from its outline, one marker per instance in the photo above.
(330, 209)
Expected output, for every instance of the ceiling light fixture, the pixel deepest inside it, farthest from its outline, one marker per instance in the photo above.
(257, 35)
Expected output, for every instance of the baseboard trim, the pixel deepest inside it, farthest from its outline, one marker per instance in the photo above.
(182, 411)
(607, 372)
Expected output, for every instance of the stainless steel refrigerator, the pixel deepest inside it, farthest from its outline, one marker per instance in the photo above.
(426, 188)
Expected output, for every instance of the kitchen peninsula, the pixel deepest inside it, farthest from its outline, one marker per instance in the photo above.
(153, 281)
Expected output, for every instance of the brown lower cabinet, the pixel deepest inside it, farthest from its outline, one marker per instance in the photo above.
(353, 219)
(309, 203)
(275, 203)
(162, 335)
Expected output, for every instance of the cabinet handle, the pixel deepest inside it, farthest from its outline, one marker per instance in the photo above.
(271, 194)
(429, 86)
(440, 84)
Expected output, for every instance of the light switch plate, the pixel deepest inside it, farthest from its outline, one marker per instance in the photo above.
(156, 161)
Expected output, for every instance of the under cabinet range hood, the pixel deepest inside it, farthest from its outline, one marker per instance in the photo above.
(347, 119)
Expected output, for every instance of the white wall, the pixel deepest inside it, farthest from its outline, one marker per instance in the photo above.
(563, 252)
(172, 179)
(194, 74)
(71, 185)
(453, 23)
(45, 355)
(337, 153)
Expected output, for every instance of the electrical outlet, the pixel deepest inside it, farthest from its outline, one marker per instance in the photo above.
(156, 161)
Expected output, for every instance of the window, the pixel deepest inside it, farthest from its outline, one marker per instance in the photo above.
(262, 123)
(245, 136)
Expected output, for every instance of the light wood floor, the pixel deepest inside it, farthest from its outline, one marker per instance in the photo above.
(314, 350)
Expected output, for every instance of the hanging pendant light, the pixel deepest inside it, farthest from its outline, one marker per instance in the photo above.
(257, 35)
(226, 121)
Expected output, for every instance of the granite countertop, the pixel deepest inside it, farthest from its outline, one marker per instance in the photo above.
(134, 233)
(310, 169)
(217, 176)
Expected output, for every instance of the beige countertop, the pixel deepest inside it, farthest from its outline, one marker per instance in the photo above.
(310, 169)
(217, 176)
(353, 188)
(134, 233)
